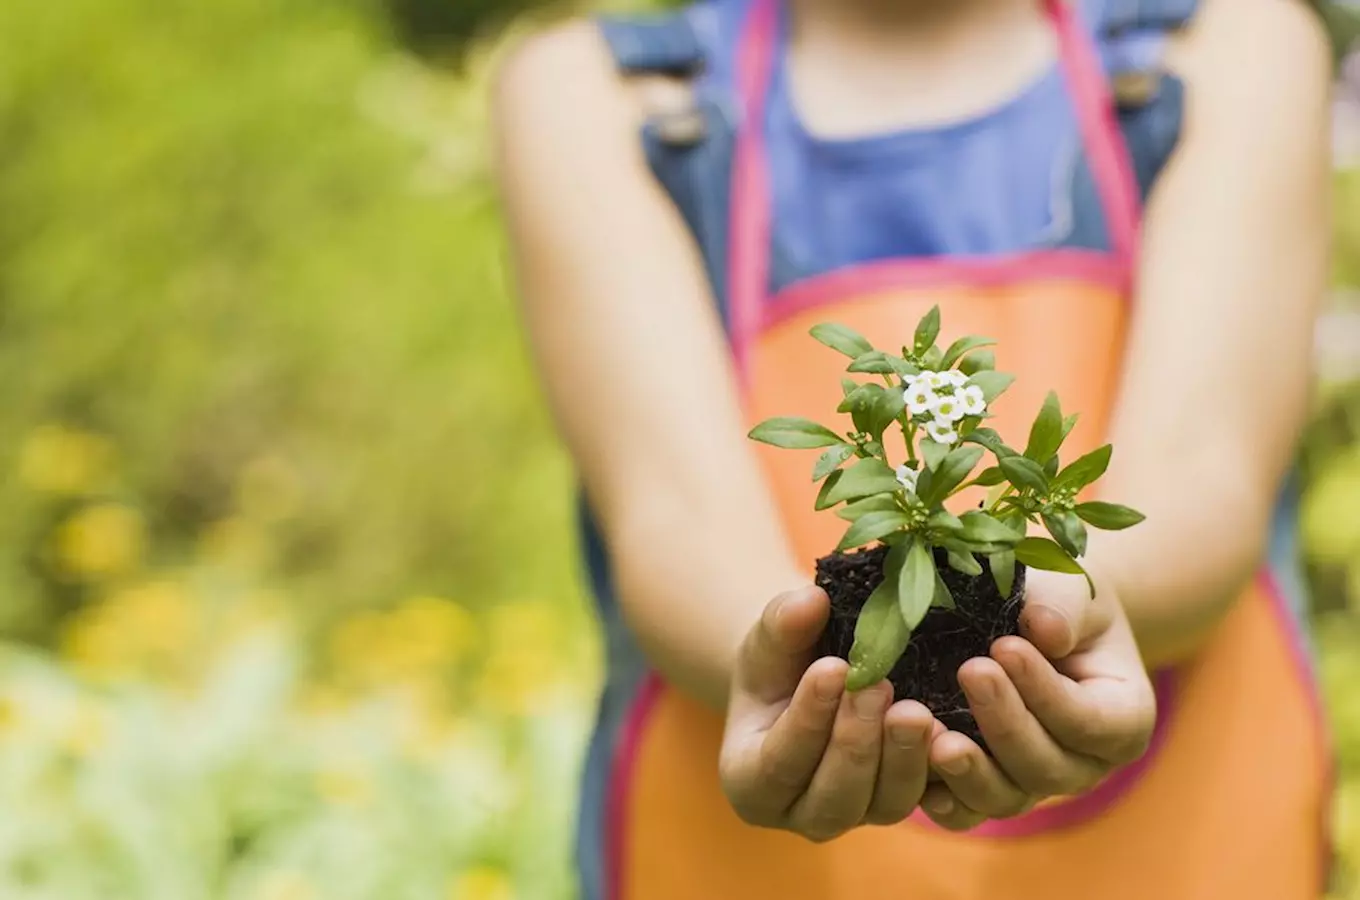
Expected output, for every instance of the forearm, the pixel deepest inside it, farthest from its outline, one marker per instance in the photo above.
(1179, 572)
(693, 575)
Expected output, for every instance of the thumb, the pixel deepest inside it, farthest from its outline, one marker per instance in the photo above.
(1060, 615)
(778, 649)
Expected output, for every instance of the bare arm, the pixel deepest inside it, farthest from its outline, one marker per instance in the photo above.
(1235, 263)
(634, 362)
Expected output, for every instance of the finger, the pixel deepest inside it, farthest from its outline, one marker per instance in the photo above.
(1021, 747)
(944, 809)
(764, 771)
(777, 650)
(974, 779)
(903, 765)
(1108, 718)
(839, 794)
(1060, 616)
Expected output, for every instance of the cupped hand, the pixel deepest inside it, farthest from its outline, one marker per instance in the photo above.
(802, 754)
(1061, 707)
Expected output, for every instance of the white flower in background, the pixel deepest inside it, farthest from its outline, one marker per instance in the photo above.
(955, 378)
(919, 396)
(942, 432)
(906, 477)
(947, 408)
(972, 400)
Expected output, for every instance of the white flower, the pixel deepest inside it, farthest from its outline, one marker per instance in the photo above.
(972, 400)
(906, 477)
(937, 379)
(942, 432)
(919, 396)
(955, 378)
(947, 409)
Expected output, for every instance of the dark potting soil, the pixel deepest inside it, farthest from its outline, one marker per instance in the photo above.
(944, 641)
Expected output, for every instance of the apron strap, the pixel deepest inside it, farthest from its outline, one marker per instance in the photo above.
(750, 232)
(1102, 138)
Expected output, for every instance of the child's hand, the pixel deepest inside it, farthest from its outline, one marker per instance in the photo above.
(802, 755)
(1060, 708)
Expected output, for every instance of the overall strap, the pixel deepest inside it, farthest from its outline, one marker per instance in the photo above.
(689, 150)
(1151, 100)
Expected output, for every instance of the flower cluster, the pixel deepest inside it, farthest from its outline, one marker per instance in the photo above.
(940, 400)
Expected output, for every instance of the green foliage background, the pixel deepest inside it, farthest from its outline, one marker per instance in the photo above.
(272, 455)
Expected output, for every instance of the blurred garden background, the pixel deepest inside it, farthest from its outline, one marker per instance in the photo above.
(290, 602)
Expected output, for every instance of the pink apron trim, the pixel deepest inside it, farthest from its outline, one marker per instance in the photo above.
(748, 238)
(1303, 662)
(1108, 155)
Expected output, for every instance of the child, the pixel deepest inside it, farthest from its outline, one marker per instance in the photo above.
(1131, 196)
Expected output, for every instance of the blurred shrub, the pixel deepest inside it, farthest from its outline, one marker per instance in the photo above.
(251, 309)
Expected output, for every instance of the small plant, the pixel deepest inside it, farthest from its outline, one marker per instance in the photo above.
(925, 556)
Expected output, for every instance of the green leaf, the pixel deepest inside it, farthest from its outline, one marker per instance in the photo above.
(872, 526)
(842, 339)
(1085, 470)
(981, 528)
(823, 496)
(916, 587)
(881, 634)
(944, 520)
(1051, 468)
(987, 437)
(1069, 423)
(1003, 571)
(950, 473)
(961, 346)
(875, 361)
(865, 478)
(990, 477)
(942, 598)
(876, 503)
(1025, 474)
(965, 563)
(931, 359)
(860, 395)
(933, 453)
(1041, 553)
(885, 410)
(902, 367)
(831, 460)
(1067, 530)
(927, 331)
(1108, 516)
(983, 361)
(848, 386)
(993, 383)
(1046, 435)
(793, 433)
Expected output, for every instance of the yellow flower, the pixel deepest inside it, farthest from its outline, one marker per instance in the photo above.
(430, 632)
(236, 540)
(286, 886)
(482, 883)
(159, 613)
(63, 460)
(9, 714)
(100, 540)
(87, 733)
(94, 644)
(345, 786)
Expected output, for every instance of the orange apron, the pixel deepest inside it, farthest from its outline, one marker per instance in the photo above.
(1229, 801)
